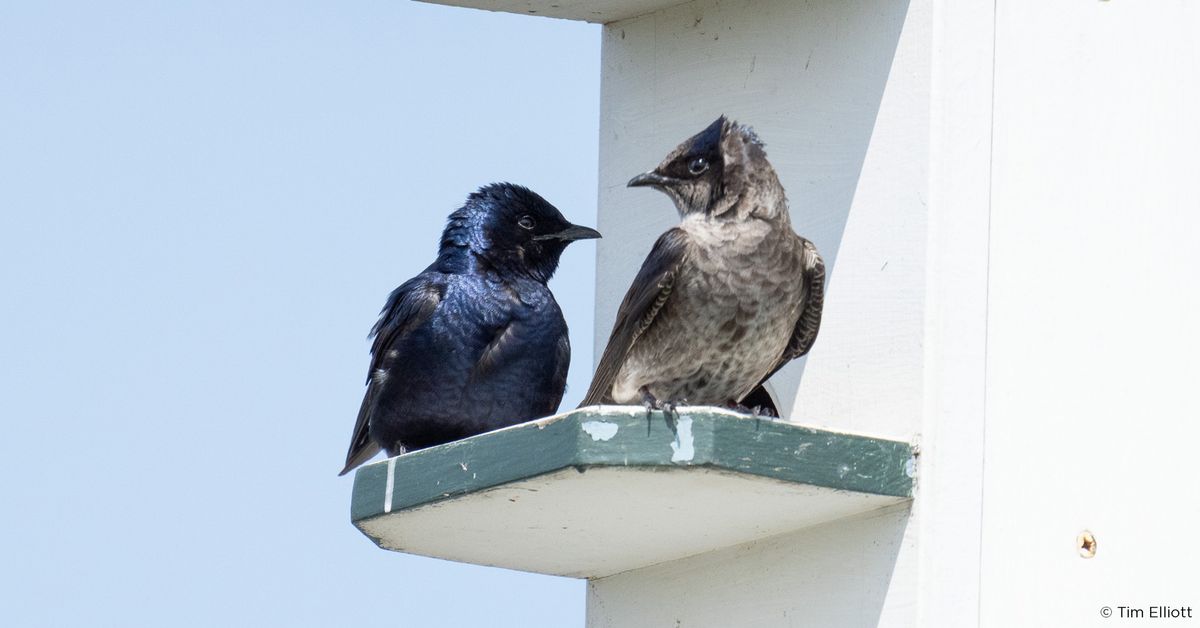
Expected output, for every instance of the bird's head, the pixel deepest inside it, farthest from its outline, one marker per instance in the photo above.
(512, 228)
(713, 170)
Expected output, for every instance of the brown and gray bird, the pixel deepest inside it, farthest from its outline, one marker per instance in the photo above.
(724, 299)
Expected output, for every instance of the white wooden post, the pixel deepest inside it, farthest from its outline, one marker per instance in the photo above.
(839, 91)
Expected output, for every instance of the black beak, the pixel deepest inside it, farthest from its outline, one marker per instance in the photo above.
(570, 234)
(651, 178)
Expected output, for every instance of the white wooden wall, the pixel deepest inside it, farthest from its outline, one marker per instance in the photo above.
(1035, 268)
(1093, 389)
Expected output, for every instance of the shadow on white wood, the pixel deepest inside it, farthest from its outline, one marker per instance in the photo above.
(836, 574)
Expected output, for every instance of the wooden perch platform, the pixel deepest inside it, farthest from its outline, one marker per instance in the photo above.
(603, 490)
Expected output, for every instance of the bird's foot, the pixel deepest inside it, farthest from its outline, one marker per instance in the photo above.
(758, 412)
(670, 408)
(765, 412)
(651, 403)
(670, 411)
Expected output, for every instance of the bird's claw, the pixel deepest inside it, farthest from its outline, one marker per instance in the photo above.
(758, 412)
(670, 409)
(763, 411)
(650, 402)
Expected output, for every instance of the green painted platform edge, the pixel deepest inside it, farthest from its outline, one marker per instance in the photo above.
(721, 440)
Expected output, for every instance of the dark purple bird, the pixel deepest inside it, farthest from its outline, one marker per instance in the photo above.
(475, 342)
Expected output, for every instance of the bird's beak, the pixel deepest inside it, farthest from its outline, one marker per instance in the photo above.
(651, 178)
(570, 234)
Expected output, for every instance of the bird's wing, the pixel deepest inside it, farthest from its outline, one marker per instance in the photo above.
(407, 308)
(511, 339)
(646, 297)
(498, 350)
(809, 323)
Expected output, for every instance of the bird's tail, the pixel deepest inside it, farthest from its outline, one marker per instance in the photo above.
(362, 446)
(360, 455)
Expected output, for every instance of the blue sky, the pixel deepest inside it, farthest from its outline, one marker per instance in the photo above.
(202, 209)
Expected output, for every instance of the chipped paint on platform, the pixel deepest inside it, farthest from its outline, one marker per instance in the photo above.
(600, 430)
(391, 485)
(683, 448)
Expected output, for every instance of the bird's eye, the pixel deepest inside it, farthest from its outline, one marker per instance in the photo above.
(698, 165)
(526, 222)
